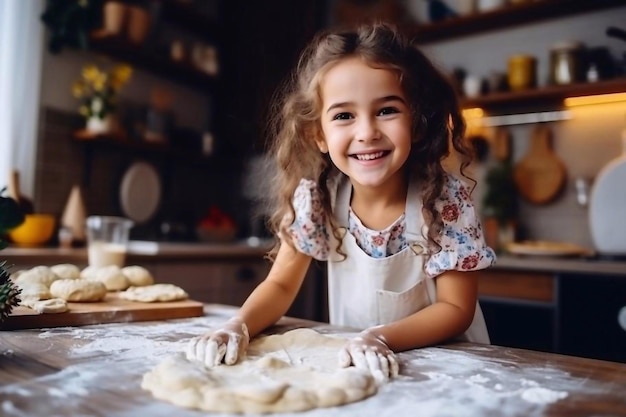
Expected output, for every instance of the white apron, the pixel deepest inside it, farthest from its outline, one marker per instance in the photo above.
(365, 291)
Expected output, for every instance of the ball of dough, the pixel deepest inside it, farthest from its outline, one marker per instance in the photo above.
(78, 290)
(39, 274)
(34, 291)
(89, 272)
(66, 271)
(138, 276)
(112, 278)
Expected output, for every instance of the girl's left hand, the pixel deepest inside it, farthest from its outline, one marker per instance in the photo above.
(369, 351)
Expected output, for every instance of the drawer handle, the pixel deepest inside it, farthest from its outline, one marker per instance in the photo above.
(621, 318)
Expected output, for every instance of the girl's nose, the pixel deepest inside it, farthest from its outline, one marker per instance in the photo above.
(367, 130)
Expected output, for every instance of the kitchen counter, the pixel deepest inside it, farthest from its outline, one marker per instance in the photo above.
(148, 251)
(96, 371)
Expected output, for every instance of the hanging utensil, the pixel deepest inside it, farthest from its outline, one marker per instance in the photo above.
(540, 175)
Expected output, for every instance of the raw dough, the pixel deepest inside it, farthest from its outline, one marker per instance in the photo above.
(78, 290)
(112, 278)
(34, 290)
(156, 292)
(89, 272)
(138, 276)
(296, 371)
(66, 271)
(38, 274)
(51, 306)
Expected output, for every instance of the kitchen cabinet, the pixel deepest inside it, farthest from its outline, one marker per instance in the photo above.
(592, 316)
(581, 314)
(520, 308)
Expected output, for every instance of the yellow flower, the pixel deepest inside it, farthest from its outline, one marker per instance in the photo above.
(98, 88)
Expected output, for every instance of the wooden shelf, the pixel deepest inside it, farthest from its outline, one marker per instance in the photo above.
(121, 141)
(546, 95)
(149, 61)
(506, 17)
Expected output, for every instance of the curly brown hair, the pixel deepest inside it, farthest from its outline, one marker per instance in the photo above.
(437, 123)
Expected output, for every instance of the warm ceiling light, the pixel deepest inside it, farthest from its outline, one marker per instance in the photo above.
(599, 99)
(473, 113)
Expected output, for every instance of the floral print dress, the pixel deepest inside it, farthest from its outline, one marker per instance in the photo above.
(462, 242)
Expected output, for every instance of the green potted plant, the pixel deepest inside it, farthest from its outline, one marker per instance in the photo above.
(10, 217)
(70, 22)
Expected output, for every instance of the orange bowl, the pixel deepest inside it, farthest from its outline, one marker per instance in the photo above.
(36, 230)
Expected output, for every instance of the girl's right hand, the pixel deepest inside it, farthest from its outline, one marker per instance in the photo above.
(227, 343)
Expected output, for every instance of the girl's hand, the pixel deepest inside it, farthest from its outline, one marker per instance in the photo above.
(227, 343)
(369, 351)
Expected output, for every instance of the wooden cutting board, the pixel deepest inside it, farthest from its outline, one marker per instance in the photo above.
(112, 310)
(540, 174)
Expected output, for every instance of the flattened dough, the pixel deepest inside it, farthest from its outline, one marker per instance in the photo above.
(296, 371)
(78, 290)
(154, 293)
(51, 306)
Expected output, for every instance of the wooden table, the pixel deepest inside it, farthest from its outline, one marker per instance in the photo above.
(96, 371)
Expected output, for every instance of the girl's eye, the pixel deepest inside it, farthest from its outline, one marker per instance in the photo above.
(342, 116)
(388, 110)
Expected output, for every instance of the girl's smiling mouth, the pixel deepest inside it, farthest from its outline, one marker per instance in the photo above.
(369, 156)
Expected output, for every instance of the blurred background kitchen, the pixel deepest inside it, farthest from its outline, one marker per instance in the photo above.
(178, 144)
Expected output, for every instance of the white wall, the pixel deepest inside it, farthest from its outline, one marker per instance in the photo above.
(585, 143)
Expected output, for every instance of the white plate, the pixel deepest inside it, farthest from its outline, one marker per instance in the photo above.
(140, 192)
(547, 248)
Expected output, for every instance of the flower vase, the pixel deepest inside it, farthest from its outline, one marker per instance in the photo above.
(99, 125)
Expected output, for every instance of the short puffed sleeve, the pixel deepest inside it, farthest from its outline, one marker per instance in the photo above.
(309, 230)
(463, 246)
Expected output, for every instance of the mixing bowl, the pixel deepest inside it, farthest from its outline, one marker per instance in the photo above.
(36, 230)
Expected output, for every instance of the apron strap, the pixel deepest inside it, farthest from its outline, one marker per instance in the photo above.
(342, 202)
(413, 215)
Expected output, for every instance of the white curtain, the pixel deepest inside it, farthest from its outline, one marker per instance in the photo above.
(21, 46)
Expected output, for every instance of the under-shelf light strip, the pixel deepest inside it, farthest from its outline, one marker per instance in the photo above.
(523, 118)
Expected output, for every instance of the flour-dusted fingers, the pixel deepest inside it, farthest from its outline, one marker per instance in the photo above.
(215, 350)
(190, 351)
(358, 358)
(394, 367)
(232, 349)
(383, 360)
(374, 365)
(344, 357)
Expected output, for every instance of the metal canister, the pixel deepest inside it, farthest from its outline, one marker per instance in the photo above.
(566, 66)
(522, 72)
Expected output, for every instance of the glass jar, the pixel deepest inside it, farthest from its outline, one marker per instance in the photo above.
(566, 63)
(521, 72)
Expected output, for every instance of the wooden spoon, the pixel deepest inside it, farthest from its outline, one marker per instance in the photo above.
(540, 175)
(13, 191)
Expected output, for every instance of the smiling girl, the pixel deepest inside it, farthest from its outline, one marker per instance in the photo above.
(359, 141)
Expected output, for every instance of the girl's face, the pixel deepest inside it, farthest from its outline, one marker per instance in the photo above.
(366, 122)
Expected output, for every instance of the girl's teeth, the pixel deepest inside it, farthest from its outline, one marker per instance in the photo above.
(369, 156)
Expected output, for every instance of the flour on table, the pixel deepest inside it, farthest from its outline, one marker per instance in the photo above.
(295, 371)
